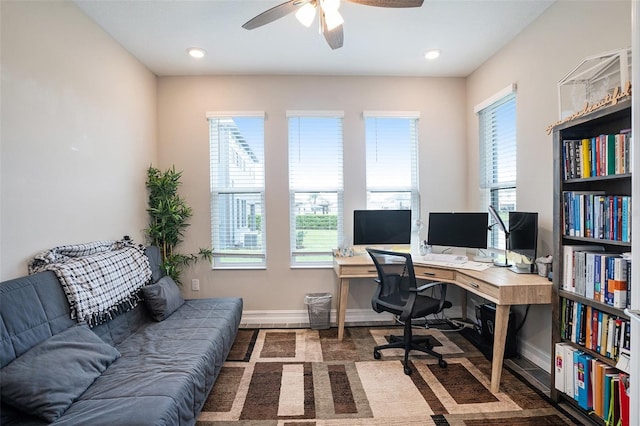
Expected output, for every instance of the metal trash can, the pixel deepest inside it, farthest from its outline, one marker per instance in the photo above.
(319, 306)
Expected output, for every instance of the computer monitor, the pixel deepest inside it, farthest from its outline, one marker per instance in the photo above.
(381, 227)
(523, 234)
(458, 229)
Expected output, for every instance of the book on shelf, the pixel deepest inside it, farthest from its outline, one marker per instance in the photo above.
(596, 215)
(627, 257)
(576, 372)
(590, 272)
(596, 330)
(583, 380)
(616, 273)
(613, 411)
(624, 398)
(600, 155)
(560, 364)
(593, 384)
(569, 378)
(600, 370)
(568, 253)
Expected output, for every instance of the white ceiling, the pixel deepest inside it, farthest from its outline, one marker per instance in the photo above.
(377, 41)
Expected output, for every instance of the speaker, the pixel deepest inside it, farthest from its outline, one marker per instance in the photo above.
(486, 316)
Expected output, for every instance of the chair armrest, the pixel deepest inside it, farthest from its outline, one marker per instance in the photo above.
(426, 286)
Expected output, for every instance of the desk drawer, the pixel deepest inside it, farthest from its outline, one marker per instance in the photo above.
(428, 273)
(478, 286)
(354, 271)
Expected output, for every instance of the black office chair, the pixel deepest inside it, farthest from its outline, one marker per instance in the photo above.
(397, 293)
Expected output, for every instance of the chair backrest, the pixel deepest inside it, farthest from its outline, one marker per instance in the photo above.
(395, 273)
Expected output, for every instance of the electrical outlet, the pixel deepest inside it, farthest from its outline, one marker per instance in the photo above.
(195, 284)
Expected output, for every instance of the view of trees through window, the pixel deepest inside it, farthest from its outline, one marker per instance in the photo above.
(315, 187)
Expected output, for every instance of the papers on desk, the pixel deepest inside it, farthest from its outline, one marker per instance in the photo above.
(475, 266)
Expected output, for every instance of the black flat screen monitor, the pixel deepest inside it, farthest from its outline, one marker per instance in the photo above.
(523, 233)
(379, 227)
(458, 229)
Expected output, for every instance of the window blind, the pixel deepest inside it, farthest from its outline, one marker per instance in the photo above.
(392, 161)
(237, 189)
(498, 172)
(315, 187)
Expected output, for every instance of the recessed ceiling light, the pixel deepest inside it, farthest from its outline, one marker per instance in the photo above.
(432, 54)
(196, 52)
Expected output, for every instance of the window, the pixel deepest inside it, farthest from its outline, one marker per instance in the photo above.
(392, 161)
(236, 142)
(497, 122)
(315, 186)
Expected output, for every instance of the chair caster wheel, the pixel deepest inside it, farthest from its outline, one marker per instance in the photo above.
(376, 354)
(407, 371)
(442, 363)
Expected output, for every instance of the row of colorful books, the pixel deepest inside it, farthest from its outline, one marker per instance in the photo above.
(595, 215)
(591, 272)
(594, 385)
(598, 331)
(602, 155)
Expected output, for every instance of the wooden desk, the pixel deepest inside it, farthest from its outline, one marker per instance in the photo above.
(498, 285)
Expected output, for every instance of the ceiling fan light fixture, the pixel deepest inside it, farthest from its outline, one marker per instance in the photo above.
(330, 5)
(196, 52)
(333, 19)
(306, 14)
(432, 54)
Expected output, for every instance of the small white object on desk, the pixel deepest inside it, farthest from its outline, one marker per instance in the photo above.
(444, 257)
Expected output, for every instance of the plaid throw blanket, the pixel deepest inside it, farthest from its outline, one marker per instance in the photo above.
(100, 278)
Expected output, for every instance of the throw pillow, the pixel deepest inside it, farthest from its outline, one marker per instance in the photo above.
(48, 378)
(162, 298)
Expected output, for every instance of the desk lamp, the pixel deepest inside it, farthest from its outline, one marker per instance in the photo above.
(500, 223)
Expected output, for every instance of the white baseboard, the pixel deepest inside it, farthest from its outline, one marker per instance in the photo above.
(535, 355)
(282, 317)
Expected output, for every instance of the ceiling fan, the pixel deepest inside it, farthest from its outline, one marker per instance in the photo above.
(330, 19)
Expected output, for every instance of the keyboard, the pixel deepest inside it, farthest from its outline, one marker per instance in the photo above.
(443, 257)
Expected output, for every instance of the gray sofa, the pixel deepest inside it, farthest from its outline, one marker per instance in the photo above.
(160, 372)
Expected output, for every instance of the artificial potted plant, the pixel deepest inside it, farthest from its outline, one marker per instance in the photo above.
(168, 215)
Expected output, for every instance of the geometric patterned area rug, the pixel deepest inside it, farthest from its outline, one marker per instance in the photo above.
(296, 377)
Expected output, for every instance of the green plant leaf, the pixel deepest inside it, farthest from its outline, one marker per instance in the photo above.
(168, 219)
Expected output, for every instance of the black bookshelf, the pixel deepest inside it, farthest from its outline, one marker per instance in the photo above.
(610, 120)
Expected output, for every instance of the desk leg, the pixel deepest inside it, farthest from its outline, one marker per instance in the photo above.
(342, 306)
(499, 340)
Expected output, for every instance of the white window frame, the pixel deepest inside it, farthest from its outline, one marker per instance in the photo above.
(413, 188)
(306, 258)
(498, 156)
(223, 258)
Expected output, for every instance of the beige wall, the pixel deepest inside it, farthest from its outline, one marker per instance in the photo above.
(536, 60)
(183, 141)
(78, 131)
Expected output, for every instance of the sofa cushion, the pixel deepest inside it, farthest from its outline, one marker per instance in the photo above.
(66, 364)
(162, 298)
(177, 359)
(32, 309)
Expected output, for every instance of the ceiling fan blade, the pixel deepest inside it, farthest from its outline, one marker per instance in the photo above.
(274, 13)
(389, 3)
(335, 37)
